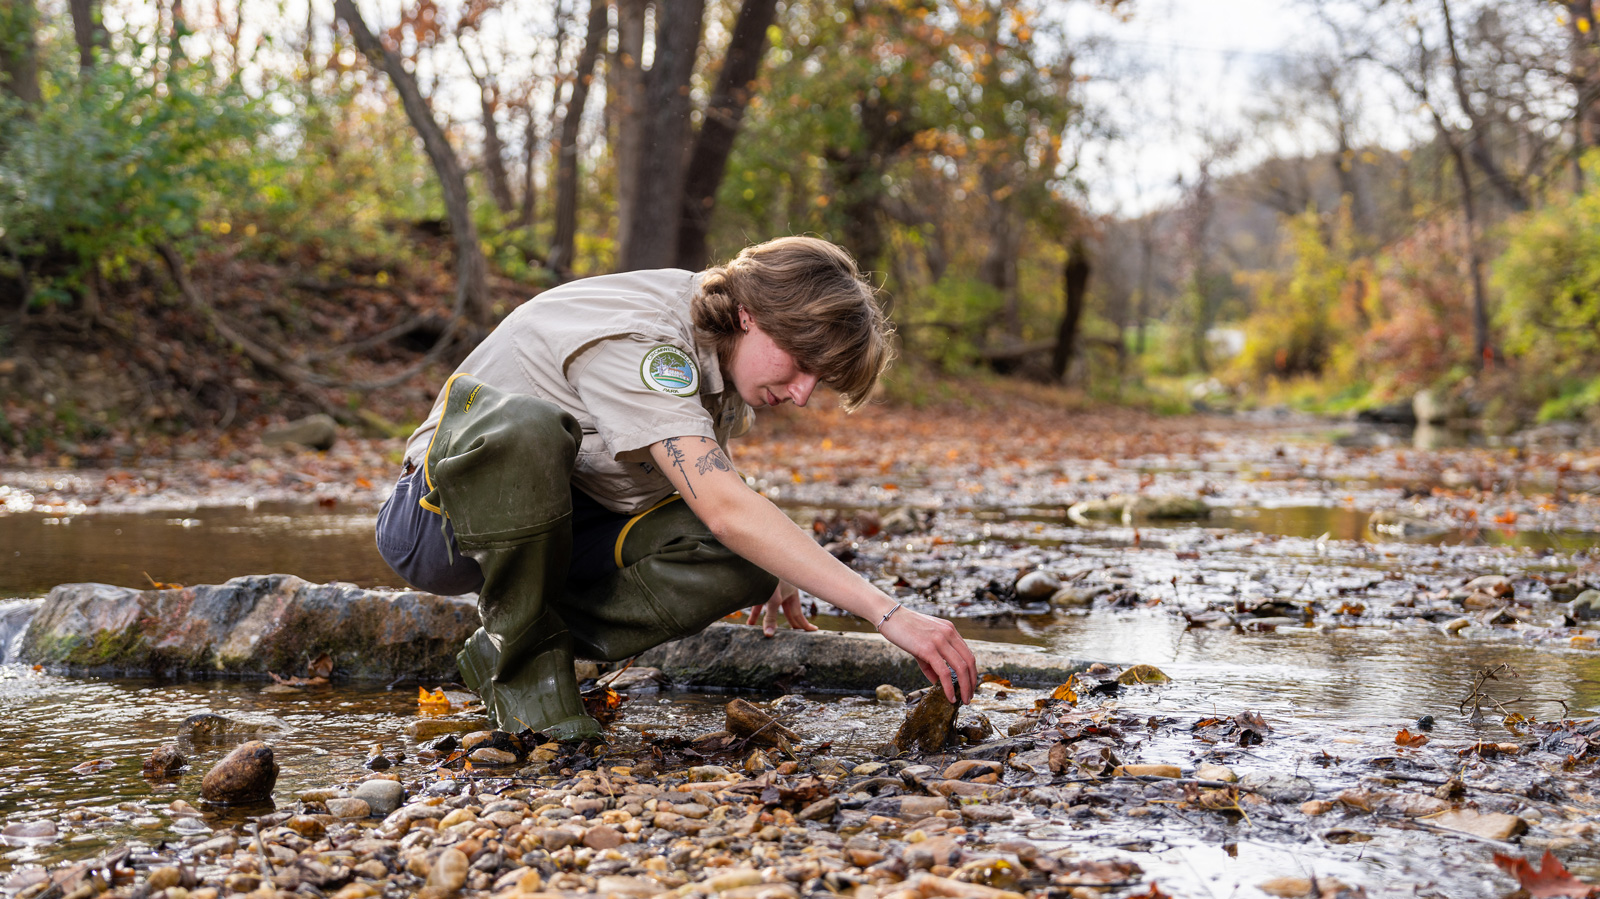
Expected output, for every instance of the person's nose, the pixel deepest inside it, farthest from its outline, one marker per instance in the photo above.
(800, 388)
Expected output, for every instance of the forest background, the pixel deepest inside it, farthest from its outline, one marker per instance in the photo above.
(218, 214)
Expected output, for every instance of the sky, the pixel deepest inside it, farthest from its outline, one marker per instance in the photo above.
(1200, 64)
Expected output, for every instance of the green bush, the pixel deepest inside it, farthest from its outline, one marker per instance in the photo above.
(1549, 277)
(114, 160)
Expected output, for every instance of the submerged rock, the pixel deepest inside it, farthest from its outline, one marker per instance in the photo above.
(164, 761)
(739, 656)
(250, 625)
(381, 796)
(1126, 508)
(246, 775)
(1395, 523)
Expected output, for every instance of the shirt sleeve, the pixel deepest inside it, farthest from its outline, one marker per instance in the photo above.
(638, 393)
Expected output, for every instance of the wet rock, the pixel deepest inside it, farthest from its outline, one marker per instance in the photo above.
(164, 761)
(821, 810)
(1278, 786)
(738, 656)
(638, 679)
(1455, 626)
(318, 432)
(603, 836)
(928, 725)
(1142, 674)
(933, 851)
(245, 775)
(449, 872)
(208, 727)
(1497, 585)
(489, 755)
(1037, 586)
(1586, 605)
(382, 796)
(29, 831)
(907, 808)
(890, 693)
(250, 625)
(348, 808)
(1073, 597)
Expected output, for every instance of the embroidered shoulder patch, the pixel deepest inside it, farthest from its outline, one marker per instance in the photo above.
(670, 370)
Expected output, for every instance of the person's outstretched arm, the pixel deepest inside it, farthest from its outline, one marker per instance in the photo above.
(750, 525)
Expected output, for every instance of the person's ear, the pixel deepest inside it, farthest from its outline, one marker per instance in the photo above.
(744, 319)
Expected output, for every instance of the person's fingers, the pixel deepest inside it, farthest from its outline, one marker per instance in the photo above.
(755, 614)
(769, 622)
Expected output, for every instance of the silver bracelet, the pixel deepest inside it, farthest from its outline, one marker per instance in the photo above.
(887, 615)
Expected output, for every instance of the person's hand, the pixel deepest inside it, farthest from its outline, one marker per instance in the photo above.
(785, 600)
(938, 649)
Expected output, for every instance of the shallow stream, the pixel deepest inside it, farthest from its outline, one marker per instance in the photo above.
(1335, 688)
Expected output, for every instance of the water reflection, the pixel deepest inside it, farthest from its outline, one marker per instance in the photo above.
(207, 546)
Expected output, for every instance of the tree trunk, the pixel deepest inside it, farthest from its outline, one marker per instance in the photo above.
(1478, 138)
(1482, 350)
(1585, 75)
(19, 54)
(494, 151)
(625, 103)
(1075, 287)
(655, 130)
(563, 245)
(999, 266)
(530, 161)
(723, 117)
(88, 31)
(472, 271)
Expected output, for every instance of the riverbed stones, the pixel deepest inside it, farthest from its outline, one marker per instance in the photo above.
(164, 761)
(1278, 786)
(1489, 825)
(1037, 586)
(381, 796)
(348, 807)
(245, 775)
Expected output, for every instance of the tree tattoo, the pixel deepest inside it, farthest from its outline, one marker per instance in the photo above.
(713, 458)
(676, 455)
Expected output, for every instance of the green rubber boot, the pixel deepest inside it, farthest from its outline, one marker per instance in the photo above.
(675, 579)
(499, 467)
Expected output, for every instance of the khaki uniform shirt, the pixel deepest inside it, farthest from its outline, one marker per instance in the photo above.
(622, 355)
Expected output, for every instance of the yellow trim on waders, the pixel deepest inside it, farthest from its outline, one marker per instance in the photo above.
(427, 478)
(635, 520)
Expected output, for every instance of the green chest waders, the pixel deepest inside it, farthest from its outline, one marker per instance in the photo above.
(499, 466)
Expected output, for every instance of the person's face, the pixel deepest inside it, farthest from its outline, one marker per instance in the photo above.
(763, 374)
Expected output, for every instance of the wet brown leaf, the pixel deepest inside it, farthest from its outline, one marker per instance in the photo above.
(1407, 738)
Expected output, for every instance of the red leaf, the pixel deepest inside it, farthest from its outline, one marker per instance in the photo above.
(1549, 881)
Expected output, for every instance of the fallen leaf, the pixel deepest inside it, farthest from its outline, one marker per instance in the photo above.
(1550, 880)
(321, 666)
(433, 702)
(1065, 693)
(297, 681)
(1407, 738)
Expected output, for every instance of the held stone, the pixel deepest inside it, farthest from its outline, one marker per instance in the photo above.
(246, 775)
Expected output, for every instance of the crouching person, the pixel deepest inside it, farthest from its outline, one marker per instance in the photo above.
(574, 473)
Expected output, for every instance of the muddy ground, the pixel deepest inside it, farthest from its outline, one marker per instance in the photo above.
(1425, 721)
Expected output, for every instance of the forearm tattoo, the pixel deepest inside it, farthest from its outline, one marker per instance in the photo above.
(713, 458)
(676, 455)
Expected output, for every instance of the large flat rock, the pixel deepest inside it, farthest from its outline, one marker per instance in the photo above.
(738, 656)
(250, 626)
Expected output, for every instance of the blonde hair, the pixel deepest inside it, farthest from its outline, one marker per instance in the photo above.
(809, 297)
